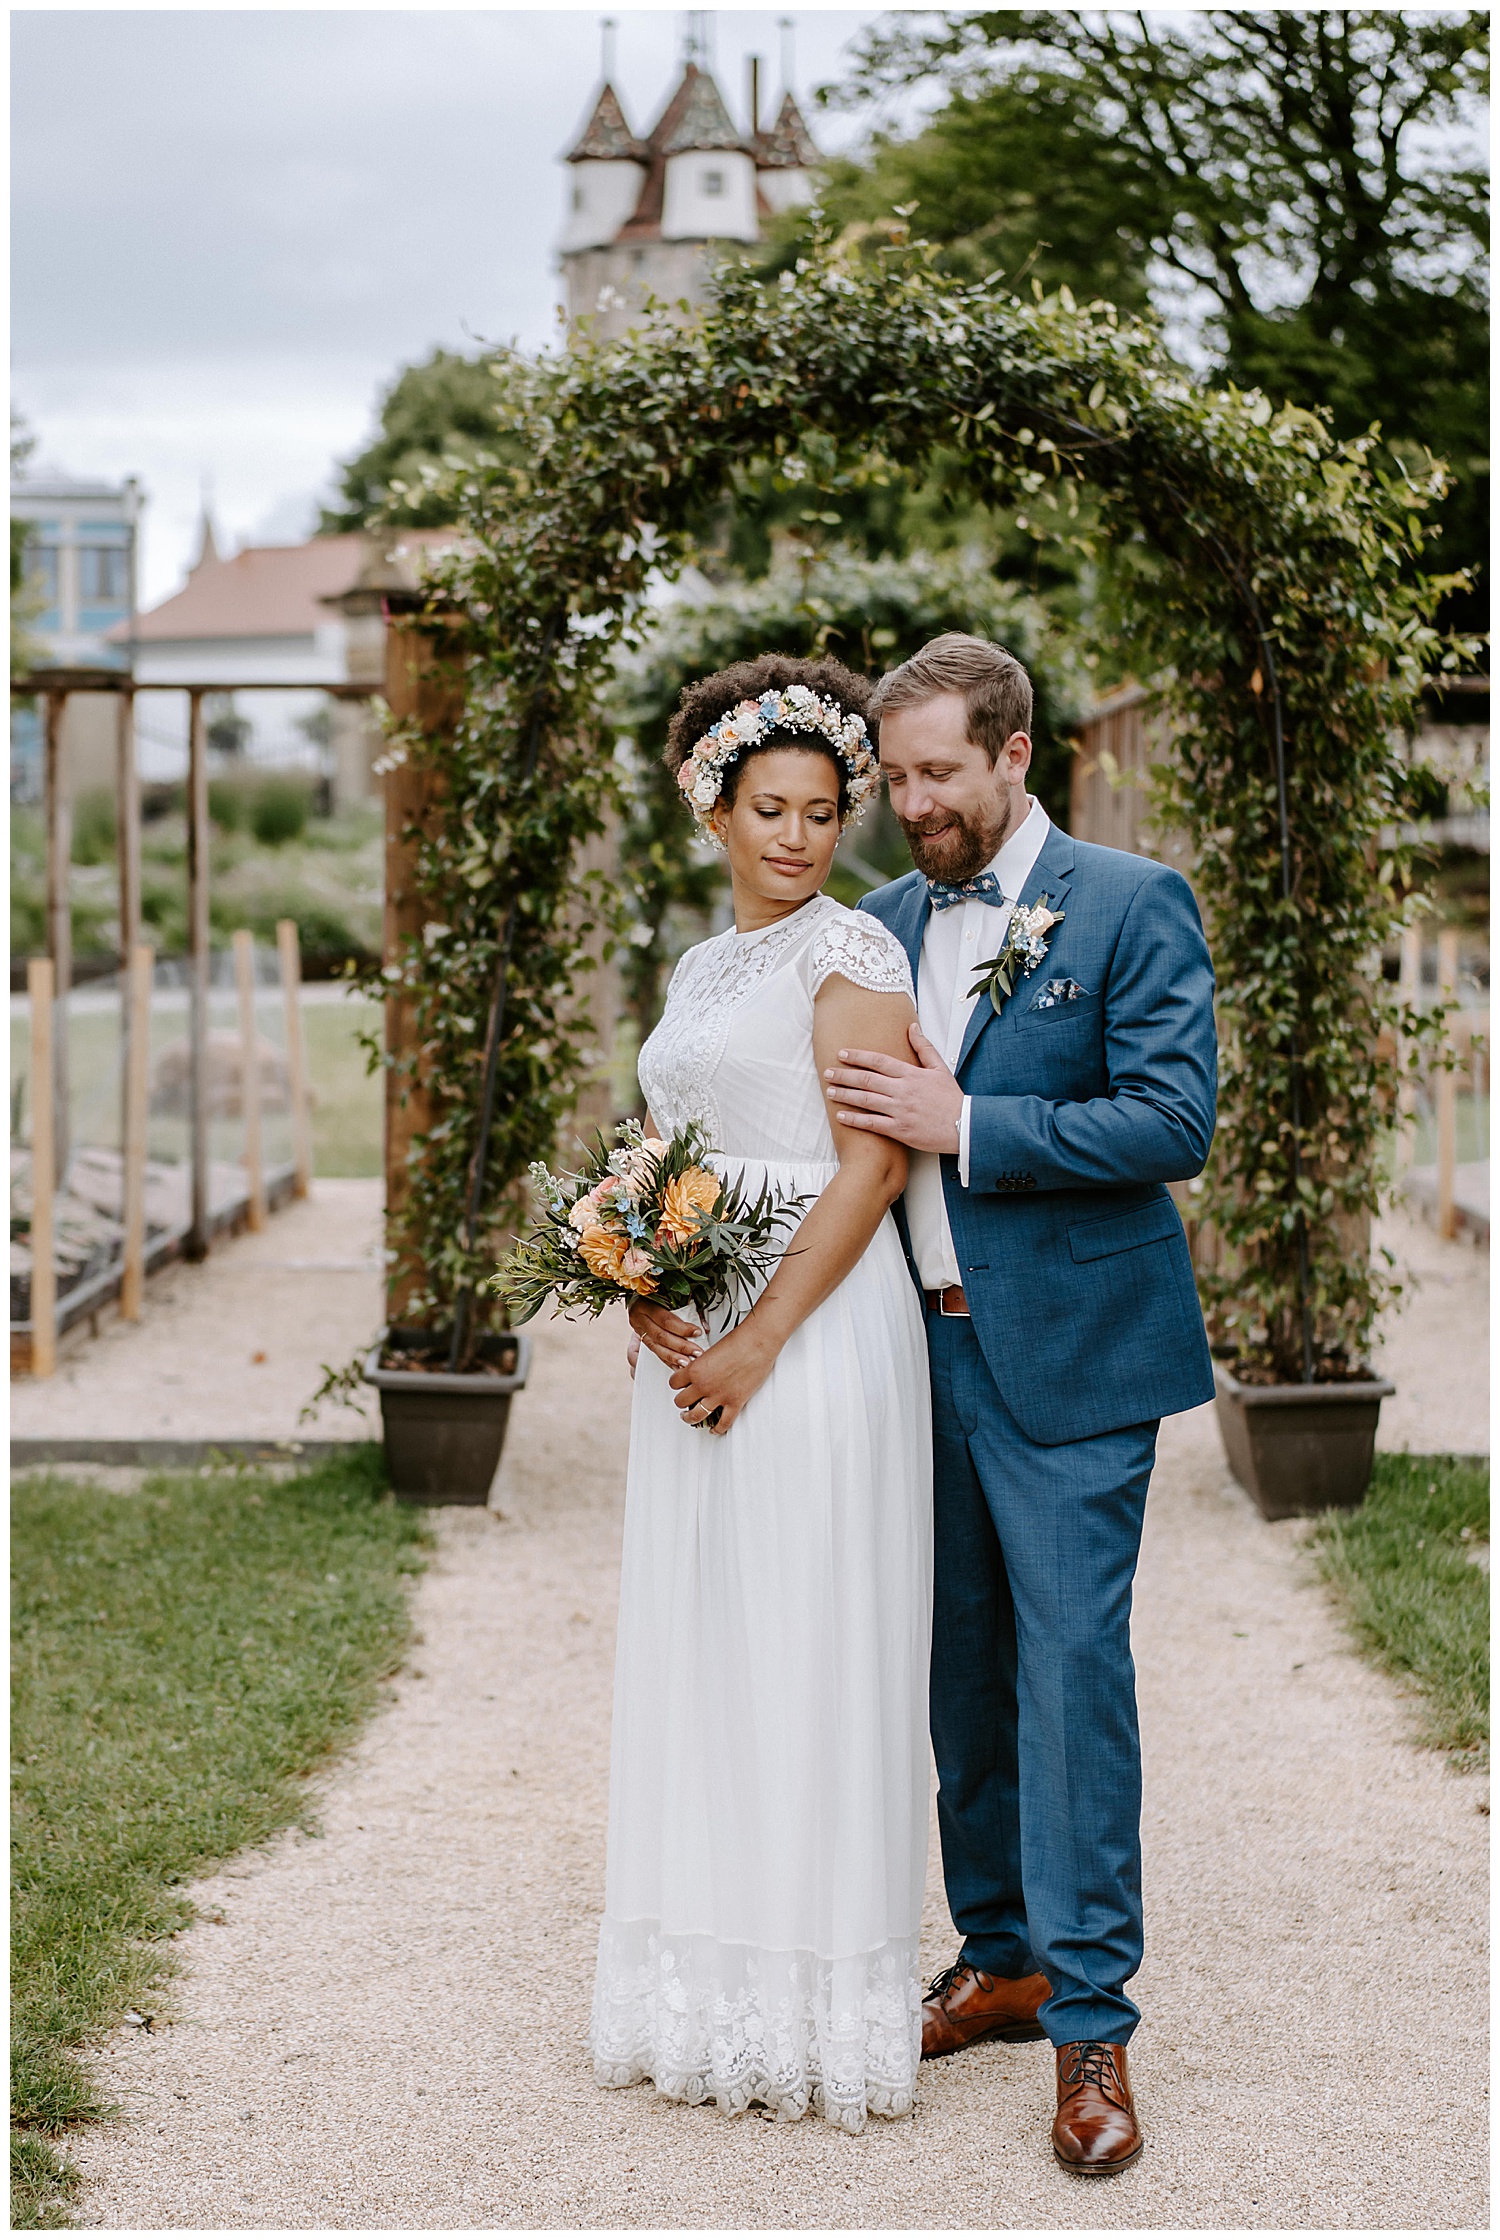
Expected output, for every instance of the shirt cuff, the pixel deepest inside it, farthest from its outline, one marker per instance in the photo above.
(963, 1142)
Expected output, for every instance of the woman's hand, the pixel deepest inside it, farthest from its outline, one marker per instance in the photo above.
(726, 1376)
(665, 1334)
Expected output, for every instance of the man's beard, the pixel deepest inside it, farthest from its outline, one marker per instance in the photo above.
(961, 851)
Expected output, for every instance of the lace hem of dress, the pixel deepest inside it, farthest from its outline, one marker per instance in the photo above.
(745, 2028)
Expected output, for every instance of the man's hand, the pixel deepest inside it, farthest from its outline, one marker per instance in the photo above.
(918, 1105)
(665, 1334)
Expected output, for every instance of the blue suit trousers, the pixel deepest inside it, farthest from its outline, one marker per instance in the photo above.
(1034, 1723)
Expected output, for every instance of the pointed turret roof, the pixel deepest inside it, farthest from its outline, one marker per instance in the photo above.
(695, 117)
(607, 136)
(208, 549)
(788, 146)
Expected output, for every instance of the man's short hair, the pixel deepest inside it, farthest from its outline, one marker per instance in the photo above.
(996, 689)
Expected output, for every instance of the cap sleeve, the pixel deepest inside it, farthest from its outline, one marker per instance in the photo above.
(861, 949)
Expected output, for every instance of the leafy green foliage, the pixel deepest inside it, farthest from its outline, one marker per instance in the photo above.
(433, 417)
(1283, 595)
(524, 780)
(871, 614)
(183, 1658)
(1416, 1602)
(279, 810)
(1313, 178)
(94, 826)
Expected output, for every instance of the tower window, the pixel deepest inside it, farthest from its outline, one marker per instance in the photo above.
(577, 198)
(713, 182)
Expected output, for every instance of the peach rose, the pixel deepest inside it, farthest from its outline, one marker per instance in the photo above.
(603, 1249)
(614, 1259)
(636, 1270)
(585, 1211)
(688, 1194)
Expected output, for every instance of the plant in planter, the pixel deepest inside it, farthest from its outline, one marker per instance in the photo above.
(1266, 579)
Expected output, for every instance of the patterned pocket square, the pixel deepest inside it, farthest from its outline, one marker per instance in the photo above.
(1059, 991)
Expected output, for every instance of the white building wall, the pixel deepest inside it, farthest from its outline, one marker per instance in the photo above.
(602, 196)
(709, 196)
(786, 190)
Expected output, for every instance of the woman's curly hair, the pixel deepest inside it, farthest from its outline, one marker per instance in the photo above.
(702, 704)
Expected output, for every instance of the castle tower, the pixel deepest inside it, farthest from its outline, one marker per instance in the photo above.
(645, 216)
(785, 159)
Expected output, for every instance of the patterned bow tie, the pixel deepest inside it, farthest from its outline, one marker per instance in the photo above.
(986, 888)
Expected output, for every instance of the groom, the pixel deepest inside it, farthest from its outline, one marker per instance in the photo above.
(1062, 1324)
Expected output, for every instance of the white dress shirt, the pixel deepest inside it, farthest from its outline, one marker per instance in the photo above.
(954, 946)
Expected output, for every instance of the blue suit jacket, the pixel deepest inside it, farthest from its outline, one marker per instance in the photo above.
(1073, 1256)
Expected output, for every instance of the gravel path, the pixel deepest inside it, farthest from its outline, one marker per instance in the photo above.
(229, 1348)
(385, 2029)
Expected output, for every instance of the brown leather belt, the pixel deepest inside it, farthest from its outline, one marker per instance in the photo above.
(951, 1301)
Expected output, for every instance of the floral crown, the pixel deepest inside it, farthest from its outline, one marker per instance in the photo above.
(797, 709)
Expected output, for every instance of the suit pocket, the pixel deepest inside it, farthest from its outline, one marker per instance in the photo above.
(1122, 1232)
(1056, 1014)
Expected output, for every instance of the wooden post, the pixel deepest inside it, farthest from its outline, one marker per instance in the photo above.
(196, 1246)
(296, 1060)
(1410, 990)
(59, 814)
(415, 692)
(128, 830)
(128, 857)
(1447, 1097)
(255, 1175)
(133, 1144)
(41, 986)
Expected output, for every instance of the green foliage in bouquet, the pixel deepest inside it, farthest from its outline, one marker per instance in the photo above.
(645, 1220)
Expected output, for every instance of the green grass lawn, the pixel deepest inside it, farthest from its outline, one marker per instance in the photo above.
(1401, 1570)
(348, 1113)
(183, 1659)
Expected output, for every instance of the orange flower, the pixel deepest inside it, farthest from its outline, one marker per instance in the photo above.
(614, 1259)
(688, 1194)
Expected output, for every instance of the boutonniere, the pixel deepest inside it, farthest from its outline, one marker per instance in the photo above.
(1022, 951)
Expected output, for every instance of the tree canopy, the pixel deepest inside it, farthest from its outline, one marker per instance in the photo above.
(1305, 186)
(434, 417)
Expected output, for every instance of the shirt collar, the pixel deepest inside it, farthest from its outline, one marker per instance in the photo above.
(1013, 865)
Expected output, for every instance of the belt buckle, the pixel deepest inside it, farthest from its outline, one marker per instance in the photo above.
(955, 1314)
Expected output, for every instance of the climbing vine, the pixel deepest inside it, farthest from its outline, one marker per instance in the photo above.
(1271, 594)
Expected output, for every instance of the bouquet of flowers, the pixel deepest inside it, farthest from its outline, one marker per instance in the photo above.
(645, 1219)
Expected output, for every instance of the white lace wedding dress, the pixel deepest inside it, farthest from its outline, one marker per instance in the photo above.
(769, 1771)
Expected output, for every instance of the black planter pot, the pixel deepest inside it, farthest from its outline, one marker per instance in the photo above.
(1298, 1448)
(444, 1433)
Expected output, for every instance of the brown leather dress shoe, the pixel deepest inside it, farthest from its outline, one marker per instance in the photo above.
(1095, 2129)
(963, 2006)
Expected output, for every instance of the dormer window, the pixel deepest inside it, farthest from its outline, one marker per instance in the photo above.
(713, 182)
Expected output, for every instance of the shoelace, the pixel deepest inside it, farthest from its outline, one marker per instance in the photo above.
(942, 1984)
(1093, 2063)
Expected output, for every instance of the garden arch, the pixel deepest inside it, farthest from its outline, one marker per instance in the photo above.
(1266, 584)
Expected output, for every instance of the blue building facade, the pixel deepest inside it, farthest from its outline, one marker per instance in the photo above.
(80, 556)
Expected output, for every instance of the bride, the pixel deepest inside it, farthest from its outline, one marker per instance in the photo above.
(769, 1770)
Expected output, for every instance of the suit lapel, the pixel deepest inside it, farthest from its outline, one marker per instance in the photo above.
(1050, 875)
(909, 923)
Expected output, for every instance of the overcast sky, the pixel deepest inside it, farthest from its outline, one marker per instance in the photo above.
(230, 228)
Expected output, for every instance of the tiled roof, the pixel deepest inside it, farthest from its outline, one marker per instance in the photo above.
(695, 117)
(266, 591)
(607, 135)
(788, 146)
